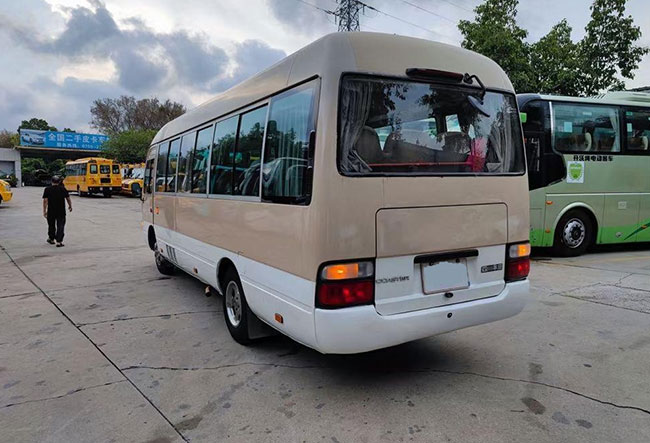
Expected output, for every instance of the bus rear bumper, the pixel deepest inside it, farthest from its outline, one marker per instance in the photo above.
(362, 329)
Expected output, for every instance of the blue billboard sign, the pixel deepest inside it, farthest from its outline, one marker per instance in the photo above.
(64, 140)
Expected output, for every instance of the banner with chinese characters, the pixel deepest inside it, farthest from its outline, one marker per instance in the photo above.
(66, 140)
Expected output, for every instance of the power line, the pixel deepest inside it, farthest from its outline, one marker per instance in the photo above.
(327, 11)
(457, 5)
(429, 12)
(399, 19)
(347, 14)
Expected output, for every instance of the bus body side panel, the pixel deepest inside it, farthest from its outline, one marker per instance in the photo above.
(537, 214)
(268, 290)
(609, 189)
(163, 210)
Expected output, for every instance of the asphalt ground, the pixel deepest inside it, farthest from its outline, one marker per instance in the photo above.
(96, 345)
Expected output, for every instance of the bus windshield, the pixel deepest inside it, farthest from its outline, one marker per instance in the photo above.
(395, 127)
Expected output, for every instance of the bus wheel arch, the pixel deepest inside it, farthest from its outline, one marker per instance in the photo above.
(575, 231)
(151, 238)
(223, 266)
(236, 312)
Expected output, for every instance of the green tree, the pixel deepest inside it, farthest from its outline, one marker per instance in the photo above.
(127, 114)
(555, 60)
(129, 146)
(495, 34)
(36, 123)
(68, 130)
(608, 48)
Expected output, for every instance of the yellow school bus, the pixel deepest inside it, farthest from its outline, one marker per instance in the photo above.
(132, 179)
(5, 192)
(93, 175)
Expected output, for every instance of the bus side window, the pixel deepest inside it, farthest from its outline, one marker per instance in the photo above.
(286, 170)
(148, 170)
(200, 161)
(223, 152)
(586, 128)
(161, 170)
(172, 164)
(248, 152)
(637, 130)
(185, 162)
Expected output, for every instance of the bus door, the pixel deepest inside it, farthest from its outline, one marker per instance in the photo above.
(149, 184)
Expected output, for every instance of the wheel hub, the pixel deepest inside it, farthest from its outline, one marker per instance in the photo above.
(233, 304)
(574, 233)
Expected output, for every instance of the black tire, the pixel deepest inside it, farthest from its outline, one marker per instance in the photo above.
(108, 194)
(231, 313)
(574, 234)
(164, 266)
(136, 190)
(79, 191)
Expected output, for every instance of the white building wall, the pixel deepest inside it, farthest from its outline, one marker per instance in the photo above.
(8, 155)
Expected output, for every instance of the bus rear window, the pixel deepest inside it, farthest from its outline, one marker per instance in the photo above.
(93, 169)
(104, 169)
(393, 127)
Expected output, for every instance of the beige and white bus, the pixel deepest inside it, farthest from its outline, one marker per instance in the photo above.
(365, 191)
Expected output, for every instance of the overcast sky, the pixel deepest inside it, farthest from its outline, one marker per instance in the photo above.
(57, 56)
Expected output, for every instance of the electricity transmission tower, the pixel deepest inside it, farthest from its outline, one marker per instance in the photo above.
(347, 14)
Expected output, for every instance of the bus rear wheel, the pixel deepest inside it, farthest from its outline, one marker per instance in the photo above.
(573, 234)
(164, 266)
(107, 194)
(235, 309)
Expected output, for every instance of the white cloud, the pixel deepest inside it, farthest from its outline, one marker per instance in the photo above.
(65, 53)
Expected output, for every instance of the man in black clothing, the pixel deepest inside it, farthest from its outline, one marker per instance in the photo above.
(54, 198)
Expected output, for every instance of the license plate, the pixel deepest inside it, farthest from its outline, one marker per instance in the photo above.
(444, 276)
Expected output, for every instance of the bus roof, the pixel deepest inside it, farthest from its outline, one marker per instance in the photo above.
(87, 159)
(630, 98)
(334, 54)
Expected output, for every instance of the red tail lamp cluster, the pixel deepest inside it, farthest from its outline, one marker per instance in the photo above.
(517, 261)
(341, 285)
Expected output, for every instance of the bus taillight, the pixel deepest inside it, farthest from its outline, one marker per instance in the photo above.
(517, 262)
(345, 284)
(342, 294)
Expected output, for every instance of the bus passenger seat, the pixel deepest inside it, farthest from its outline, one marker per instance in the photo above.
(587, 141)
(368, 146)
(293, 179)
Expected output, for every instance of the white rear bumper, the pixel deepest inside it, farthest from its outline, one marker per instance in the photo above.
(361, 329)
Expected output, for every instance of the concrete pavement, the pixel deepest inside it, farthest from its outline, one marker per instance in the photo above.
(96, 345)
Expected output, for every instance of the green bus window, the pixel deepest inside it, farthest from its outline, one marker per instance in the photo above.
(586, 128)
(637, 130)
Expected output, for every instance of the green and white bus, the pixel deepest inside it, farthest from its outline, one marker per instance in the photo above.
(588, 169)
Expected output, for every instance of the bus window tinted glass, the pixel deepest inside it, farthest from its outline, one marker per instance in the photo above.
(200, 161)
(286, 152)
(104, 169)
(583, 128)
(222, 155)
(93, 169)
(185, 162)
(249, 152)
(638, 130)
(172, 163)
(161, 168)
(116, 169)
(432, 129)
